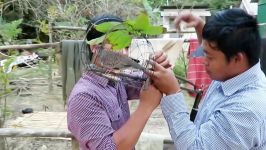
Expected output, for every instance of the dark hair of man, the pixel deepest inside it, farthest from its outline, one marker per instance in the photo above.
(92, 33)
(233, 31)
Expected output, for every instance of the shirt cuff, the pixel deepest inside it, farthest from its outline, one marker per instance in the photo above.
(174, 103)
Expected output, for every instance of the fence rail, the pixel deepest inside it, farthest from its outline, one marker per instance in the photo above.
(262, 24)
(30, 46)
(68, 28)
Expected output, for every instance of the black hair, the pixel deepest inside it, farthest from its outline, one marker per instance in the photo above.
(234, 31)
(92, 33)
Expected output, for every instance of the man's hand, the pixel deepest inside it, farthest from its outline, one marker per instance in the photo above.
(150, 98)
(127, 136)
(161, 58)
(191, 21)
(164, 79)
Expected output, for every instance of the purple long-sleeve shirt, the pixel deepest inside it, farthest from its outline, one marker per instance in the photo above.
(97, 107)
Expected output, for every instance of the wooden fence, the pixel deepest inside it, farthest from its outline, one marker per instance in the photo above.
(32, 132)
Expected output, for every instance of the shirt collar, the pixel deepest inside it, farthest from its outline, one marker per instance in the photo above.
(230, 86)
(97, 79)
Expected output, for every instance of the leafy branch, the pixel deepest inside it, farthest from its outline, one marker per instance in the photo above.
(4, 90)
(120, 34)
(9, 31)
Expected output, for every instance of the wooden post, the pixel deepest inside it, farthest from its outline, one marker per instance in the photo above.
(2, 139)
(75, 144)
(2, 143)
(50, 60)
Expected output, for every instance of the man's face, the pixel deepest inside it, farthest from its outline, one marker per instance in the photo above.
(216, 64)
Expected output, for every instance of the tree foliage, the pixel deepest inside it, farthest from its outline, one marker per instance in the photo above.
(9, 31)
(77, 12)
(213, 4)
(65, 12)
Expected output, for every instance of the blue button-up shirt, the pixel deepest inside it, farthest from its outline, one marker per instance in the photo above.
(232, 115)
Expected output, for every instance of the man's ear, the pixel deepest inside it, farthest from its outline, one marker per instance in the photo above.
(239, 57)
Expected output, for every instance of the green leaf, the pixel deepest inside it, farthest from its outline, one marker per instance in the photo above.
(119, 39)
(120, 34)
(130, 22)
(97, 40)
(109, 26)
(141, 22)
(154, 30)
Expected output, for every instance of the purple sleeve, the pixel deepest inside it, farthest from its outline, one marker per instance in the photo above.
(133, 92)
(89, 123)
(133, 87)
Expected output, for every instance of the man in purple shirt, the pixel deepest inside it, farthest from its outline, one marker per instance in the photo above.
(98, 113)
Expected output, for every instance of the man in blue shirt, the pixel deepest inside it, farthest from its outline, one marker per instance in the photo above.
(232, 116)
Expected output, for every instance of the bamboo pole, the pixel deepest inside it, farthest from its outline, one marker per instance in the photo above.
(36, 132)
(50, 69)
(2, 139)
(60, 27)
(75, 144)
(68, 28)
(2, 143)
(262, 24)
(30, 46)
(24, 132)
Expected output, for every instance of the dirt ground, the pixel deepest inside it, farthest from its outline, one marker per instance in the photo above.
(34, 94)
(37, 97)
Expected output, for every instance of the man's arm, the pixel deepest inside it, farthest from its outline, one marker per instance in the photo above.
(126, 137)
(231, 126)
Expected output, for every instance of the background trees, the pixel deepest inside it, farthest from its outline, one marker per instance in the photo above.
(36, 13)
(213, 4)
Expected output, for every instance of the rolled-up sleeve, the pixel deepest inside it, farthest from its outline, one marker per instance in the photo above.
(89, 123)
